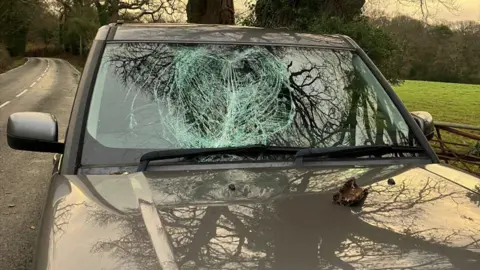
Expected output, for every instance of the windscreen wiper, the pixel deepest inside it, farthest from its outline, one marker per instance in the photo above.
(355, 151)
(187, 153)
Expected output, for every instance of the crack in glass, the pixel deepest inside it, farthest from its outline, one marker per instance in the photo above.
(179, 96)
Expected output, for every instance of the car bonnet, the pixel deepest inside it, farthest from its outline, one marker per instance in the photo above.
(262, 219)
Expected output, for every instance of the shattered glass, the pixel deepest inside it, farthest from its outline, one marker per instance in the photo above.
(213, 101)
(151, 96)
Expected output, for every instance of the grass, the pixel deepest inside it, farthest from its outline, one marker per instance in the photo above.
(448, 102)
(76, 61)
(15, 62)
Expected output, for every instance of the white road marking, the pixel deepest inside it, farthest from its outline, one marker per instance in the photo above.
(39, 78)
(4, 104)
(21, 93)
(33, 84)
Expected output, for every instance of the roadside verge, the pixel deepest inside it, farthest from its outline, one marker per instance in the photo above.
(16, 63)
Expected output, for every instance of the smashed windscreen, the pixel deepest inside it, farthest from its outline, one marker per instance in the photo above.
(168, 96)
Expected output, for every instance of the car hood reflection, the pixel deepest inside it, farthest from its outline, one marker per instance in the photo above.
(264, 219)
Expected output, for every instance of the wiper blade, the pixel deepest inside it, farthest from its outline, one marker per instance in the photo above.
(355, 151)
(186, 153)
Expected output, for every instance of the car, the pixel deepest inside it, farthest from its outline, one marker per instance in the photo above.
(229, 147)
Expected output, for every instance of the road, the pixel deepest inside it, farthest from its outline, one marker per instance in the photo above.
(43, 85)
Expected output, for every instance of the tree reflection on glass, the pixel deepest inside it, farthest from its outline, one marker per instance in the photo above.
(230, 95)
(292, 231)
(475, 196)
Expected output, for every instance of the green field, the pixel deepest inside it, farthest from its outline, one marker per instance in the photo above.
(449, 102)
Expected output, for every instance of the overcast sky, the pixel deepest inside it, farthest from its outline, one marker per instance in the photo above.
(467, 9)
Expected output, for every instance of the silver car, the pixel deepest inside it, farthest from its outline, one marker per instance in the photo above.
(223, 147)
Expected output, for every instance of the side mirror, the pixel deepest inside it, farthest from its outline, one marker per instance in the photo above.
(33, 131)
(425, 121)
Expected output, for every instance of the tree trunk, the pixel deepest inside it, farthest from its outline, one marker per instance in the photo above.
(81, 46)
(102, 13)
(211, 11)
(107, 12)
(113, 10)
(61, 37)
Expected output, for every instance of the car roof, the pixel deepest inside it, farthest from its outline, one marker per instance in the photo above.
(221, 34)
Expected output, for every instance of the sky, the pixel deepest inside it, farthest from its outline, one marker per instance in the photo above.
(466, 9)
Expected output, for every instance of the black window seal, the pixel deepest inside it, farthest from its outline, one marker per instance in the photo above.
(168, 41)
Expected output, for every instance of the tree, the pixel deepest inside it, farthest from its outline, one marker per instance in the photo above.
(281, 13)
(44, 27)
(77, 25)
(15, 19)
(211, 11)
(110, 10)
(329, 17)
(434, 52)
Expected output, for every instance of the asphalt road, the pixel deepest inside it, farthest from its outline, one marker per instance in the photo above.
(42, 85)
